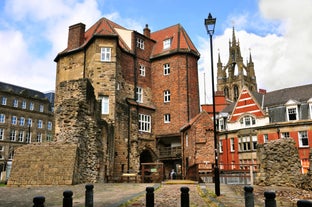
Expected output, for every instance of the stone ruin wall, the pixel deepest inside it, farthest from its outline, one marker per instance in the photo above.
(280, 165)
(77, 154)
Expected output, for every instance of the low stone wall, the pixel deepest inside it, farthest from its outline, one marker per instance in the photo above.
(44, 164)
(279, 163)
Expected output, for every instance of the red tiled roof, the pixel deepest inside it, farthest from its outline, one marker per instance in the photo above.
(180, 41)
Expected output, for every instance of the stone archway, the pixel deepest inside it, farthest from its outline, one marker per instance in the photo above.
(146, 156)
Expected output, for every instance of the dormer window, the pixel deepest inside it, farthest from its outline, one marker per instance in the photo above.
(247, 121)
(167, 43)
(292, 110)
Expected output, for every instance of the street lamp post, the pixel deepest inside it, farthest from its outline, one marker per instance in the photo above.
(210, 26)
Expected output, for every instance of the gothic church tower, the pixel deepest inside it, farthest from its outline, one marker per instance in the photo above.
(235, 74)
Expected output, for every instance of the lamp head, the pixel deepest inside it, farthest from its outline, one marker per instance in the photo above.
(210, 24)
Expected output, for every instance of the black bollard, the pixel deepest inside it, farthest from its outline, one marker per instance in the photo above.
(269, 199)
(67, 198)
(249, 198)
(185, 198)
(149, 197)
(39, 201)
(304, 203)
(89, 195)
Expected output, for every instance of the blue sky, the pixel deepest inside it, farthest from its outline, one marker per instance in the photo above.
(277, 33)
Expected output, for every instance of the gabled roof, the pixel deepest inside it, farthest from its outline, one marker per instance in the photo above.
(246, 103)
(180, 41)
(280, 97)
(196, 118)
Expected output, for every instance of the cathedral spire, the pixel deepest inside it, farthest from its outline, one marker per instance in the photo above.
(233, 37)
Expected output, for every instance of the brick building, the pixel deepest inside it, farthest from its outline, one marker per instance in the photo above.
(147, 84)
(258, 118)
(26, 116)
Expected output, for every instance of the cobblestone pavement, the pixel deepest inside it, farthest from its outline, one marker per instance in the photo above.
(169, 195)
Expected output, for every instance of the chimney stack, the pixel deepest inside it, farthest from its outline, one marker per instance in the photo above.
(76, 36)
(147, 31)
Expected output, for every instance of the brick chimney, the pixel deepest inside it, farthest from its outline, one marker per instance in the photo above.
(262, 91)
(147, 31)
(76, 36)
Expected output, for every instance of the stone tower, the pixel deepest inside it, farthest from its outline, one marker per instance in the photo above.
(235, 74)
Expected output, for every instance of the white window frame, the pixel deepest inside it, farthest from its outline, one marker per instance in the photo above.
(39, 137)
(39, 124)
(31, 106)
(41, 108)
(2, 118)
(104, 105)
(303, 135)
(24, 104)
(21, 136)
(220, 146)
(139, 95)
(145, 123)
(4, 101)
(285, 135)
(140, 43)
(232, 144)
(166, 69)
(15, 103)
(22, 121)
(167, 43)
(142, 70)
(13, 135)
(247, 121)
(49, 125)
(14, 120)
(29, 122)
(167, 96)
(167, 118)
(28, 137)
(290, 111)
(265, 138)
(106, 54)
(221, 124)
(1, 134)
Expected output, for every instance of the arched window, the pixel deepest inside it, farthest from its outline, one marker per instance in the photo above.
(247, 121)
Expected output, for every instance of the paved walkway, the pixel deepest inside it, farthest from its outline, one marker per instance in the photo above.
(123, 194)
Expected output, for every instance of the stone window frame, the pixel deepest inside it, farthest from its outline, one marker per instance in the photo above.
(145, 123)
(106, 54)
(167, 96)
(142, 70)
(167, 118)
(2, 118)
(303, 139)
(166, 67)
